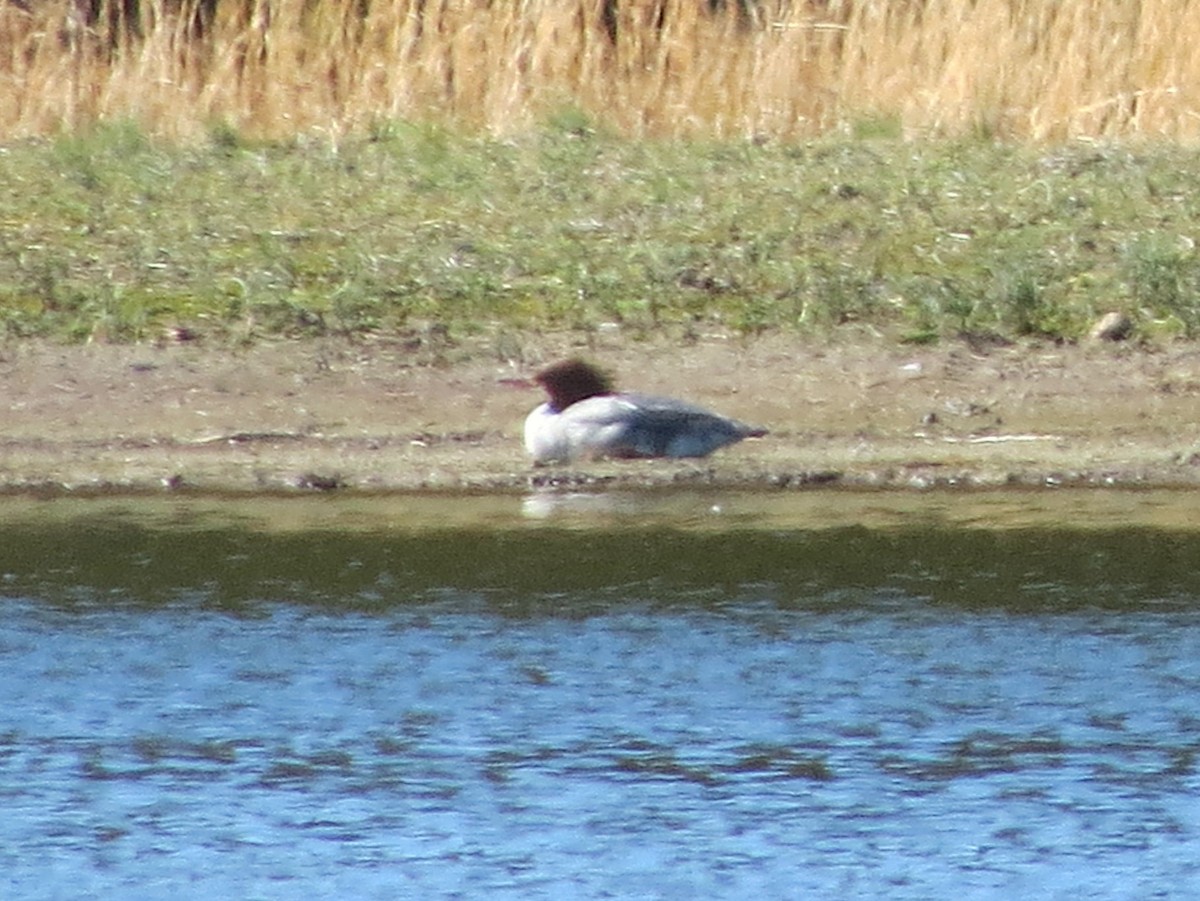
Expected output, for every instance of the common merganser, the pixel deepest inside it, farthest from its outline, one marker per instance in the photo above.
(586, 418)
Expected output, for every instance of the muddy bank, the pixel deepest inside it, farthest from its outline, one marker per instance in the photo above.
(390, 416)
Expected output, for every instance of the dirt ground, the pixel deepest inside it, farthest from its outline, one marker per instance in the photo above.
(409, 415)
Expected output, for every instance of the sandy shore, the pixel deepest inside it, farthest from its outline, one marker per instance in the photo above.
(393, 416)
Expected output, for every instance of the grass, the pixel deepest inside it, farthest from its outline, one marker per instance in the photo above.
(108, 235)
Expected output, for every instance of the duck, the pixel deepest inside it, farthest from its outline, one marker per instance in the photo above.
(585, 418)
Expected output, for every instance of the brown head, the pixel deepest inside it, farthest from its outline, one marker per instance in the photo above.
(571, 381)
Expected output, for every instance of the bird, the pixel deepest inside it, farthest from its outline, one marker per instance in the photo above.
(586, 418)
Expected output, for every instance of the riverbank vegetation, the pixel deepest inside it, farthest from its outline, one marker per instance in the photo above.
(257, 168)
(109, 235)
(1036, 70)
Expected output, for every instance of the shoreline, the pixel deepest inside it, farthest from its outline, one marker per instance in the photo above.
(384, 417)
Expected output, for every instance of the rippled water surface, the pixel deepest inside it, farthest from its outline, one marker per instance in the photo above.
(818, 696)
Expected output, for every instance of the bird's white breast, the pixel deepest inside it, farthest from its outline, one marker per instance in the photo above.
(545, 437)
(589, 428)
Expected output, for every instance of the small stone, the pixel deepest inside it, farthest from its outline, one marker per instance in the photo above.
(180, 334)
(1112, 327)
(320, 481)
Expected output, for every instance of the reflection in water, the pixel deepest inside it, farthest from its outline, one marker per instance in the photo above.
(593, 507)
(644, 709)
(694, 545)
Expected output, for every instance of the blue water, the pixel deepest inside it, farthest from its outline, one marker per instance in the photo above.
(802, 736)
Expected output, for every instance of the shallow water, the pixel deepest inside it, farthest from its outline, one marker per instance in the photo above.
(671, 697)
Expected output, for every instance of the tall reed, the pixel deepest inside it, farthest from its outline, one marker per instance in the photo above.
(1039, 70)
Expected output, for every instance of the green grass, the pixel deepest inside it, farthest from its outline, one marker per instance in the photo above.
(108, 236)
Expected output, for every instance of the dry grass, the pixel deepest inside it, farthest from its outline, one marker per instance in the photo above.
(1025, 69)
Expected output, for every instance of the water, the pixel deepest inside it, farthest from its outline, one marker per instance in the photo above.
(702, 698)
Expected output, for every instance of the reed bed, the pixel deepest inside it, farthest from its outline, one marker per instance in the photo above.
(1037, 70)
